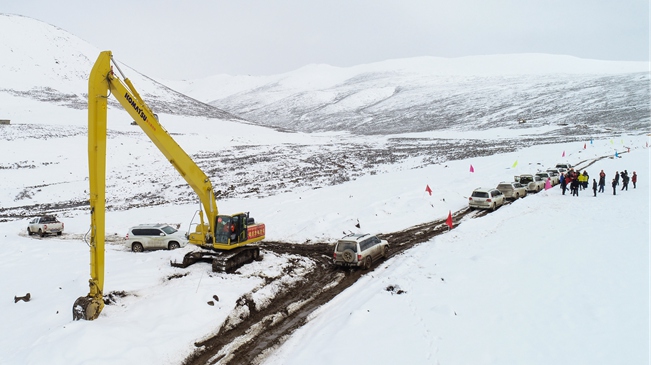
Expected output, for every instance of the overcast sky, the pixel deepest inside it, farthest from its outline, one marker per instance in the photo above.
(198, 38)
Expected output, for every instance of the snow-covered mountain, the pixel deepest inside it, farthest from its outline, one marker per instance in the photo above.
(44, 84)
(46, 63)
(429, 93)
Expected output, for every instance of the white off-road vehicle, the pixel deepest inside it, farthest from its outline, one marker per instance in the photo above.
(359, 250)
(154, 236)
(533, 183)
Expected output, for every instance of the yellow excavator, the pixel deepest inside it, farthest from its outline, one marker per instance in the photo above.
(225, 236)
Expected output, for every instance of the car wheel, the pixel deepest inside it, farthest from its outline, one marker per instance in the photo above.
(41, 233)
(368, 262)
(348, 256)
(493, 207)
(384, 252)
(137, 247)
(173, 245)
(59, 233)
(29, 232)
(517, 195)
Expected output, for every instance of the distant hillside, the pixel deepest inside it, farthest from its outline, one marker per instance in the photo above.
(427, 93)
(46, 63)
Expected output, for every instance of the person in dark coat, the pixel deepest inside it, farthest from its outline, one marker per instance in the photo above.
(634, 179)
(594, 186)
(563, 183)
(602, 181)
(614, 187)
(575, 187)
(586, 179)
(625, 180)
(617, 177)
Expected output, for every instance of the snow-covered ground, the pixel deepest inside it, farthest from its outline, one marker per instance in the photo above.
(548, 279)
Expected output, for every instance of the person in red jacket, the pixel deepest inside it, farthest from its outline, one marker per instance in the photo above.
(634, 179)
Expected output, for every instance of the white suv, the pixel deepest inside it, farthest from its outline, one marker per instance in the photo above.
(153, 236)
(512, 190)
(486, 199)
(359, 250)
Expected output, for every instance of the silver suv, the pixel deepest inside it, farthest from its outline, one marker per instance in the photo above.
(359, 250)
(486, 199)
(153, 236)
(512, 190)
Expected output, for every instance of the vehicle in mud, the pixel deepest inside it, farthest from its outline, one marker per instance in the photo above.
(47, 224)
(359, 250)
(486, 199)
(512, 190)
(532, 183)
(154, 236)
(554, 172)
(563, 167)
(554, 179)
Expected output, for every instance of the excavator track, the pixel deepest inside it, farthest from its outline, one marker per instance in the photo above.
(222, 261)
(230, 261)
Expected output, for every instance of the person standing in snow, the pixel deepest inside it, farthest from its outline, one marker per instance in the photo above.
(575, 187)
(586, 179)
(617, 177)
(634, 179)
(614, 187)
(602, 181)
(594, 186)
(563, 183)
(625, 179)
(580, 177)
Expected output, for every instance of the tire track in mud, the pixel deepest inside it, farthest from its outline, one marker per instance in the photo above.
(250, 340)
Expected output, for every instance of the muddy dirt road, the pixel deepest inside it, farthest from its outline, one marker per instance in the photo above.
(248, 338)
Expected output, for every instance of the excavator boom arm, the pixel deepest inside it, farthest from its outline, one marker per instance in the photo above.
(102, 81)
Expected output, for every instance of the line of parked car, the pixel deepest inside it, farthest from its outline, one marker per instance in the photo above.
(493, 198)
(361, 250)
(138, 239)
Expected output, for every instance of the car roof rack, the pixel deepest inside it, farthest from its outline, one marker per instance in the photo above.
(358, 235)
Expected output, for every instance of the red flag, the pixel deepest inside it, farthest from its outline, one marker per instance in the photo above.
(563, 154)
(449, 220)
(472, 169)
(584, 146)
(427, 189)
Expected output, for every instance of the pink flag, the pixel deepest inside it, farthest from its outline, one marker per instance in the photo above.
(472, 169)
(563, 154)
(548, 184)
(427, 189)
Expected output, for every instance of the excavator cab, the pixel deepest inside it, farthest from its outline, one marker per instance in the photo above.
(232, 233)
(231, 229)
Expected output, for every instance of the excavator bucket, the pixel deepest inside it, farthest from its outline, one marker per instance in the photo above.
(87, 308)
